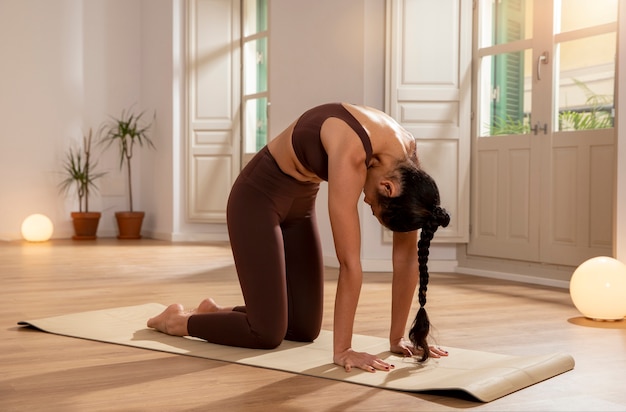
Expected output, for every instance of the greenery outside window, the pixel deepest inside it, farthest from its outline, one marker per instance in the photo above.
(583, 59)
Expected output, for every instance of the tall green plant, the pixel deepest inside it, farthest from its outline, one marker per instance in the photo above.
(79, 170)
(126, 131)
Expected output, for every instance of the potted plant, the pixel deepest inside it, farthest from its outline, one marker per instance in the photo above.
(127, 131)
(79, 169)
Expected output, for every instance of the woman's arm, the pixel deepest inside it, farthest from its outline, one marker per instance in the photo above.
(405, 278)
(346, 177)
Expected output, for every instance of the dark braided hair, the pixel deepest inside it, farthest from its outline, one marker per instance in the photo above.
(417, 207)
(421, 325)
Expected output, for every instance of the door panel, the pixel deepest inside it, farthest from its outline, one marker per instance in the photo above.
(504, 206)
(580, 198)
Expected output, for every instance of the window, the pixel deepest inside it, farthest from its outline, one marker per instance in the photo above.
(254, 76)
(585, 40)
(580, 48)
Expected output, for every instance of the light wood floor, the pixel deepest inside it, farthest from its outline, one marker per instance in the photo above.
(40, 371)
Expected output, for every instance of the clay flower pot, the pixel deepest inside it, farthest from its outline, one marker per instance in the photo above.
(129, 224)
(85, 225)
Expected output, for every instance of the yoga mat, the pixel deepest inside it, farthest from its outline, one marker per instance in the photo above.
(486, 376)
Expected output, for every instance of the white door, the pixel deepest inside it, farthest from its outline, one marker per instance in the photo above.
(227, 98)
(213, 106)
(428, 92)
(543, 159)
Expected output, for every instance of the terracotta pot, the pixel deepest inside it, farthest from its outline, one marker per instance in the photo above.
(129, 224)
(85, 225)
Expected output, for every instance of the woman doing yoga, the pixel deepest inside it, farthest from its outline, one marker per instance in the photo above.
(276, 247)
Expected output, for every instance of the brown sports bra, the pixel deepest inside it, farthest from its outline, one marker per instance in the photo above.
(307, 142)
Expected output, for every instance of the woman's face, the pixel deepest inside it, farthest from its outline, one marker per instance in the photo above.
(376, 184)
(374, 205)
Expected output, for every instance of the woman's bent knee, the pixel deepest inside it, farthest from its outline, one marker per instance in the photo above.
(269, 336)
(268, 342)
(303, 335)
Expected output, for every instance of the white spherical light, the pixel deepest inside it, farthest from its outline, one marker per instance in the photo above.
(37, 228)
(598, 288)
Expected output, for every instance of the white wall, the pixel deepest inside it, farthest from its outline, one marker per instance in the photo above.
(66, 66)
(160, 94)
(41, 102)
(110, 65)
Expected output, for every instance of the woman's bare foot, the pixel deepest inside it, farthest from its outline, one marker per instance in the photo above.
(173, 321)
(209, 306)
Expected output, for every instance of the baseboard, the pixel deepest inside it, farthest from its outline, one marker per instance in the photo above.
(380, 265)
(188, 237)
(513, 277)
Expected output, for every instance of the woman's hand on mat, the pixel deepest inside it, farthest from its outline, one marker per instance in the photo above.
(405, 348)
(350, 359)
(437, 352)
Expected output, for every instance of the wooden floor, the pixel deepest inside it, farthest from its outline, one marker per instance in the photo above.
(40, 371)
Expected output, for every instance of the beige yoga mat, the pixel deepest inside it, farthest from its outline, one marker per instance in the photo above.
(486, 376)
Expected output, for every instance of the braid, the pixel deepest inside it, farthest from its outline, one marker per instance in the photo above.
(416, 207)
(421, 325)
(423, 246)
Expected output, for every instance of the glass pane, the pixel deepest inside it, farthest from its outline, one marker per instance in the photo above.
(578, 14)
(255, 17)
(505, 94)
(255, 125)
(255, 69)
(506, 21)
(586, 83)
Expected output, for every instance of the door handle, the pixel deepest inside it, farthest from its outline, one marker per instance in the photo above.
(543, 59)
(536, 128)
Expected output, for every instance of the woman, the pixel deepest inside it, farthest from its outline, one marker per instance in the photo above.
(275, 243)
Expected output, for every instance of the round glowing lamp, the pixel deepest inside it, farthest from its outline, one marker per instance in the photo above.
(37, 228)
(598, 288)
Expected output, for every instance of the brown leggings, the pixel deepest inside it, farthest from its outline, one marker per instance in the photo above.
(275, 243)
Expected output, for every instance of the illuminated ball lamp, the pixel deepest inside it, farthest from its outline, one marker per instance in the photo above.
(598, 289)
(37, 228)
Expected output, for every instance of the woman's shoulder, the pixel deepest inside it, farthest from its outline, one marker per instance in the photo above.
(384, 130)
(374, 118)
